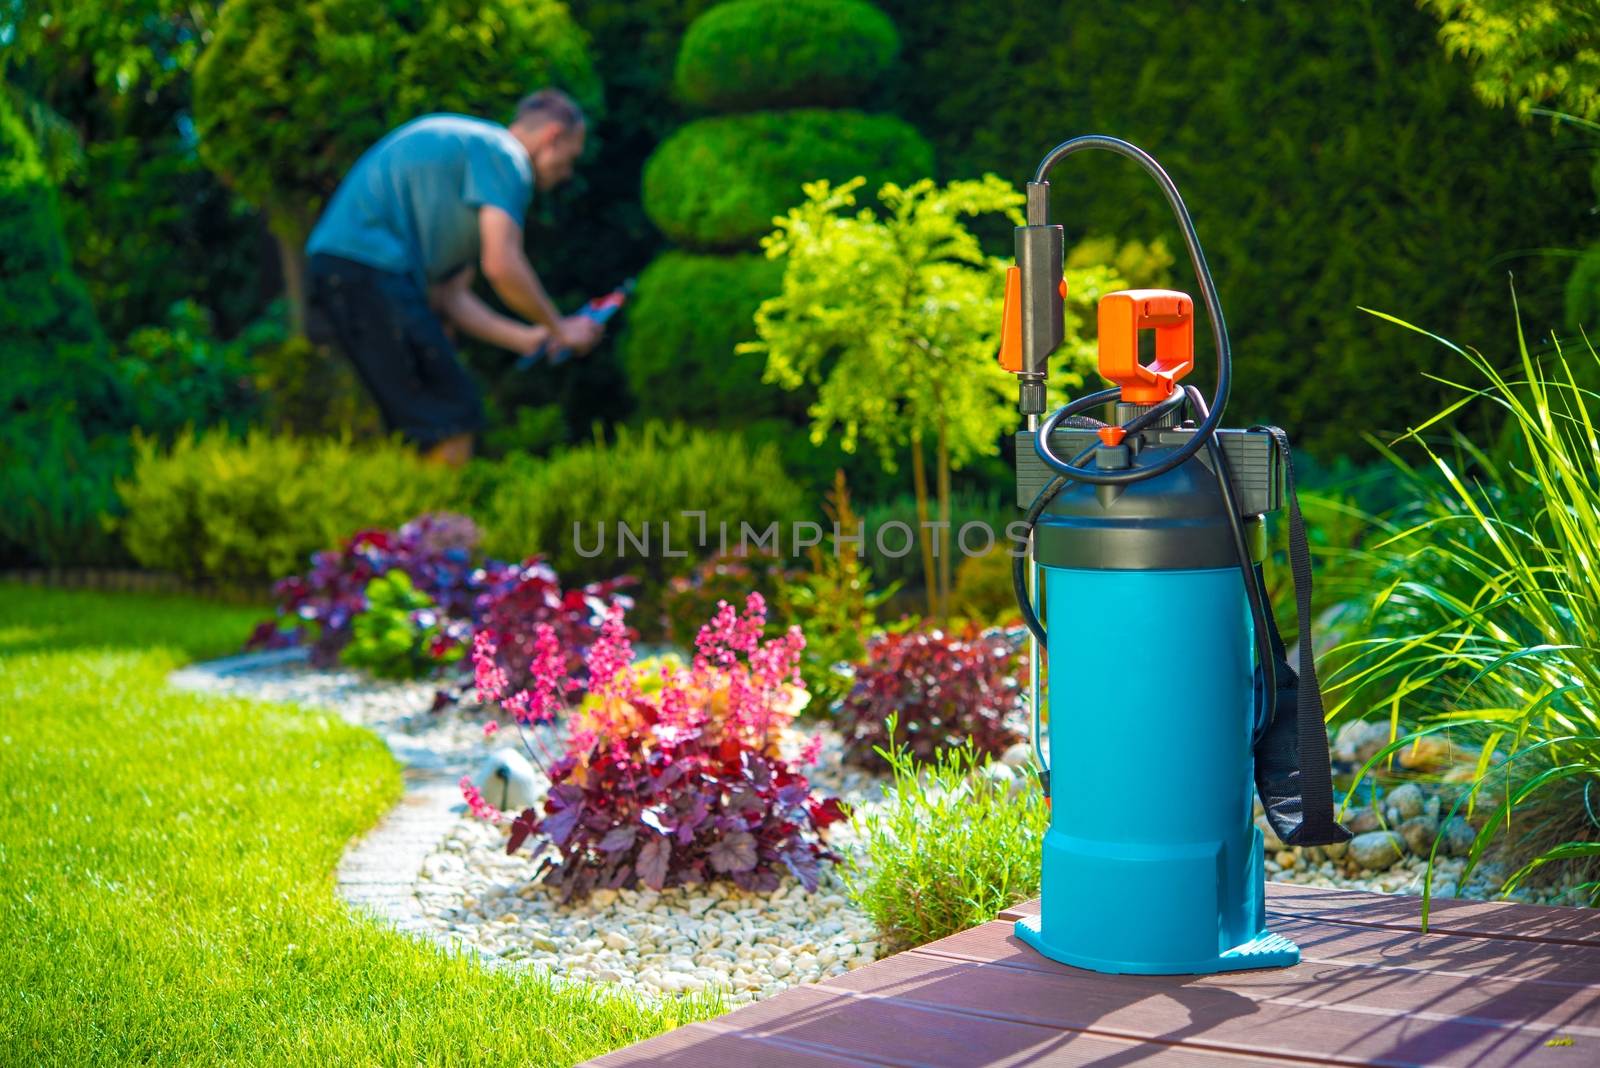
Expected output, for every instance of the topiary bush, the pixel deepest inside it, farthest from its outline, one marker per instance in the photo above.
(687, 314)
(751, 54)
(241, 512)
(643, 478)
(718, 183)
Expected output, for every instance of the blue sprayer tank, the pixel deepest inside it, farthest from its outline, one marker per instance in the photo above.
(1170, 703)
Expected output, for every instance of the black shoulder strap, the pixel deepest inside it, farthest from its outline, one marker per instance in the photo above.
(1292, 765)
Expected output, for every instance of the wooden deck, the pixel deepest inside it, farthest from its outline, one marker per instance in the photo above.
(1489, 984)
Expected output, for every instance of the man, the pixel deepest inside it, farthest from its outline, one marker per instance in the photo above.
(392, 261)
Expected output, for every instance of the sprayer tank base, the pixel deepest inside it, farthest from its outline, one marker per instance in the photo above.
(1266, 950)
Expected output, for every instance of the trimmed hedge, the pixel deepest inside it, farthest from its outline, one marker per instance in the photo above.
(718, 183)
(644, 476)
(245, 512)
(1332, 155)
(751, 54)
(688, 313)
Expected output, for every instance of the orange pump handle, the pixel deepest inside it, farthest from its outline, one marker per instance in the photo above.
(1122, 315)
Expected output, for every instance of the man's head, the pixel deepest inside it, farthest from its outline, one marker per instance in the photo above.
(551, 127)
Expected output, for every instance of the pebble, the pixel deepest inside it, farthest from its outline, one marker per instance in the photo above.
(1407, 800)
(1376, 849)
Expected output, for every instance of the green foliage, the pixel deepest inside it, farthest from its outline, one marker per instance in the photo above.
(688, 315)
(751, 54)
(1332, 155)
(718, 183)
(62, 403)
(1583, 293)
(399, 635)
(885, 549)
(1482, 618)
(183, 913)
(181, 374)
(481, 58)
(242, 512)
(647, 476)
(834, 604)
(954, 843)
(107, 87)
(1525, 53)
(312, 389)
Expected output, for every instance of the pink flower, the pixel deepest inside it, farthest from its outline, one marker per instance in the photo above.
(490, 728)
(480, 808)
(812, 750)
(610, 657)
(488, 676)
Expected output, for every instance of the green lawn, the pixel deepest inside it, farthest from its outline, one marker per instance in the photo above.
(166, 870)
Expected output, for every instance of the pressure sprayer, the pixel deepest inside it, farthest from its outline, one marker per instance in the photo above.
(1169, 690)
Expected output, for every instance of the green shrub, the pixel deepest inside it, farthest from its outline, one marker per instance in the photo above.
(676, 349)
(645, 476)
(242, 512)
(399, 635)
(181, 374)
(752, 54)
(718, 183)
(956, 841)
(312, 389)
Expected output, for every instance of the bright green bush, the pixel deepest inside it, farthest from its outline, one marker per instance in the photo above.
(956, 841)
(718, 183)
(400, 635)
(751, 54)
(651, 475)
(241, 512)
(688, 313)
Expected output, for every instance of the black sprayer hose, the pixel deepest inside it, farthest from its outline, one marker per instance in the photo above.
(1260, 612)
(1208, 293)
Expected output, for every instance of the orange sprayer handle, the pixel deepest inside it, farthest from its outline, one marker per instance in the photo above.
(1122, 315)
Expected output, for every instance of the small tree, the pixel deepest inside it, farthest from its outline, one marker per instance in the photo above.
(1527, 54)
(289, 94)
(895, 319)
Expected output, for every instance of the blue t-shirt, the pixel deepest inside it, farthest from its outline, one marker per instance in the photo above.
(410, 204)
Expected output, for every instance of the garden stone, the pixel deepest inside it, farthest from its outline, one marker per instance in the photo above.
(1019, 755)
(507, 781)
(1335, 851)
(1376, 850)
(1419, 833)
(1458, 837)
(1363, 821)
(1358, 741)
(1407, 800)
(618, 941)
(1431, 752)
(780, 967)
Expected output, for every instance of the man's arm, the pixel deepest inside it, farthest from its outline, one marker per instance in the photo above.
(458, 304)
(506, 267)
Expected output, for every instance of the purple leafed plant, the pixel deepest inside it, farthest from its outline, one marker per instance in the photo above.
(675, 784)
(944, 687)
